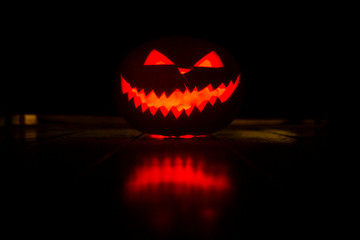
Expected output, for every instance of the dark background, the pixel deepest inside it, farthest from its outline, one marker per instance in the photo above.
(65, 59)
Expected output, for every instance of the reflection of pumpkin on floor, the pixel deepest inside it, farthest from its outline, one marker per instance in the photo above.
(169, 192)
(179, 86)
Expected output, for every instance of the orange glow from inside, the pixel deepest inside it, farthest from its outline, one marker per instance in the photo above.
(177, 173)
(211, 60)
(178, 102)
(157, 58)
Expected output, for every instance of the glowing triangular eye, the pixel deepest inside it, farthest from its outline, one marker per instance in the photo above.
(211, 60)
(157, 58)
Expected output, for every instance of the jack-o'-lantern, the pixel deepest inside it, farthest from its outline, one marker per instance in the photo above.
(179, 86)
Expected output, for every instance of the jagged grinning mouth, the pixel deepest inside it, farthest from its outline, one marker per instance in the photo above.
(178, 101)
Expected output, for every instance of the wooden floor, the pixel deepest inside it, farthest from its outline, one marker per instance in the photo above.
(88, 175)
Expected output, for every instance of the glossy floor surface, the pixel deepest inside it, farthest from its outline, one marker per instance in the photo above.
(86, 176)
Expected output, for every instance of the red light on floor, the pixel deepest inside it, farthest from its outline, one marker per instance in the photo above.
(208, 214)
(187, 136)
(170, 189)
(177, 173)
(159, 136)
(181, 136)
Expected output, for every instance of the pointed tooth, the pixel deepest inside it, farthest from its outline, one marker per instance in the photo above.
(168, 92)
(158, 92)
(188, 111)
(195, 111)
(202, 105)
(125, 86)
(210, 87)
(187, 93)
(228, 92)
(152, 95)
(137, 101)
(142, 92)
(191, 88)
(153, 110)
(215, 85)
(176, 113)
(164, 111)
(212, 100)
(217, 102)
(163, 97)
(144, 106)
(182, 88)
(147, 91)
(175, 93)
(236, 83)
(201, 85)
(131, 95)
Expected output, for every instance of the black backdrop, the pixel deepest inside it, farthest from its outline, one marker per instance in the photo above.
(65, 59)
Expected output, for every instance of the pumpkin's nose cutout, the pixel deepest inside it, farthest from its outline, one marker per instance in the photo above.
(184, 70)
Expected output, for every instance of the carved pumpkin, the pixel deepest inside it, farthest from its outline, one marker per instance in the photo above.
(179, 86)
